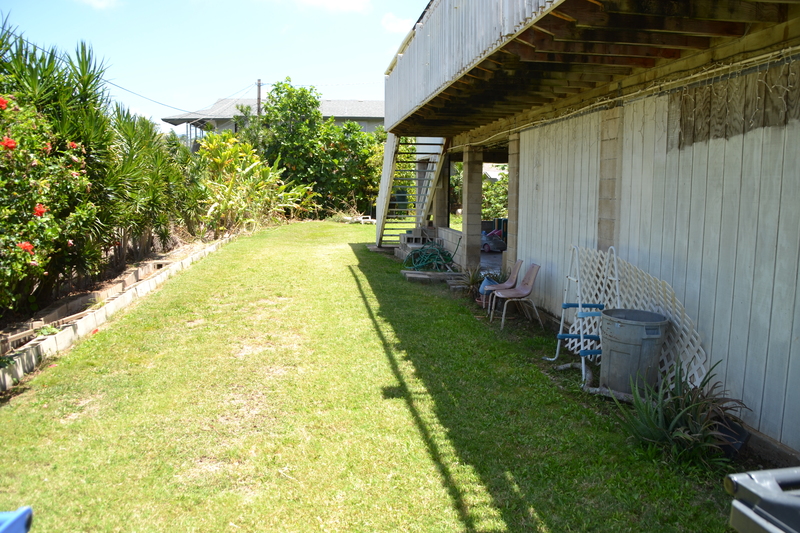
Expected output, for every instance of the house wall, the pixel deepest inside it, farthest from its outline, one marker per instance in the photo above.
(558, 200)
(368, 125)
(701, 187)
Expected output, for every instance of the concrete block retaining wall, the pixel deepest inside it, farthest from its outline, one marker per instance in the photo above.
(117, 297)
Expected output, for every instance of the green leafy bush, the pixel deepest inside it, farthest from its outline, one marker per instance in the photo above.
(47, 218)
(341, 163)
(680, 419)
(241, 189)
(495, 198)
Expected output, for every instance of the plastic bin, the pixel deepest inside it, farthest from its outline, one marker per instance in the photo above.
(18, 521)
(765, 501)
(631, 344)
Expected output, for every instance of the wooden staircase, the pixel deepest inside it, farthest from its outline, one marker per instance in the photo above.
(411, 167)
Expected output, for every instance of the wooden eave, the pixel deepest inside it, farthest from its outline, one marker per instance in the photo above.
(581, 45)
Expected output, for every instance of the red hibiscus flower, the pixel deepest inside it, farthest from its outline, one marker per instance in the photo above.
(8, 144)
(3, 103)
(28, 247)
(39, 210)
(47, 147)
(72, 145)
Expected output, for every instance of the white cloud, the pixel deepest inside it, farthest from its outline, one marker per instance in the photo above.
(339, 5)
(394, 24)
(101, 4)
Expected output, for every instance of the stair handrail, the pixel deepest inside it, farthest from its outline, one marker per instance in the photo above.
(387, 180)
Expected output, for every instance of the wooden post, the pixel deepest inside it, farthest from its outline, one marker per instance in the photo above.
(258, 98)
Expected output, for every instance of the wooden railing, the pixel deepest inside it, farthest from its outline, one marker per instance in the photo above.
(451, 38)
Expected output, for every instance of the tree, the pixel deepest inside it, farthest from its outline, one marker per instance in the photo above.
(339, 162)
(495, 197)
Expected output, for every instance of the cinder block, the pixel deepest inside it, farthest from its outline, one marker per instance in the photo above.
(605, 229)
(65, 338)
(606, 208)
(608, 189)
(85, 325)
(48, 346)
(101, 315)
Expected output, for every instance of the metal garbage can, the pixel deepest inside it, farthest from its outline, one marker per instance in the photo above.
(765, 501)
(631, 341)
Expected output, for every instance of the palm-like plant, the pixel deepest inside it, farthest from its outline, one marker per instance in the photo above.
(682, 419)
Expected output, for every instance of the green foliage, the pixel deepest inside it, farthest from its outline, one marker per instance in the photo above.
(48, 330)
(456, 186)
(48, 221)
(346, 169)
(681, 419)
(79, 178)
(240, 189)
(495, 194)
(495, 198)
(472, 278)
(341, 163)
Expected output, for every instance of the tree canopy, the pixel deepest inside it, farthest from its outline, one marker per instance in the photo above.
(341, 163)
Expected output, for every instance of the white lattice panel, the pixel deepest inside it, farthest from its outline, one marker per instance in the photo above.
(638, 290)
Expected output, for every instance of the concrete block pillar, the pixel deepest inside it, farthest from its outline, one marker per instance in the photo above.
(471, 208)
(510, 256)
(610, 178)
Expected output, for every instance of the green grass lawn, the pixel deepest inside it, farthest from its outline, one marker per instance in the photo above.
(294, 382)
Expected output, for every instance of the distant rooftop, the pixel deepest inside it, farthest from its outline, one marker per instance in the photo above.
(227, 108)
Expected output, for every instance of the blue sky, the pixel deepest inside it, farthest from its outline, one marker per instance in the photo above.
(188, 53)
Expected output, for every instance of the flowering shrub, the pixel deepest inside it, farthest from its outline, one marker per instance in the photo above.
(42, 205)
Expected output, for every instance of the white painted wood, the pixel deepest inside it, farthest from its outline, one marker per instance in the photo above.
(636, 133)
(745, 261)
(646, 200)
(717, 219)
(726, 268)
(683, 212)
(452, 37)
(590, 181)
(697, 206)
(671, 190)
(790, 433)
(562, 194)
(769, 179)
(625, 183)
(712, 226)
(785, 293)
(659, 199)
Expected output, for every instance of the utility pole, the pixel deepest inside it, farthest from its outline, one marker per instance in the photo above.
(258, 103)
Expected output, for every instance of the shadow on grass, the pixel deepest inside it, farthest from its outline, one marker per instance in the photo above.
(481, 396)
(515, 449)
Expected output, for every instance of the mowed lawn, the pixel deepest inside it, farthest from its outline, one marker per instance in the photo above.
(294, 381)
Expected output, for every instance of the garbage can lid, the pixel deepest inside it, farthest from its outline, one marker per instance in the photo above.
(635, 316)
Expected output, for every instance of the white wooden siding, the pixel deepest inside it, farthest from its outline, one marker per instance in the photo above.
(558, 191)
(718, 219)
(452, 37)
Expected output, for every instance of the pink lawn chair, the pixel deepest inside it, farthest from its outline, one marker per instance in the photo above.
(520, 293)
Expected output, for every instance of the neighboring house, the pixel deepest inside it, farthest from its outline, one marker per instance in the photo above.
(668, 129)
(367, 113)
